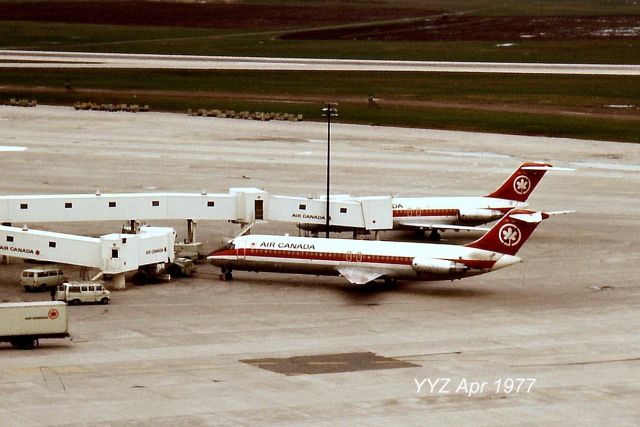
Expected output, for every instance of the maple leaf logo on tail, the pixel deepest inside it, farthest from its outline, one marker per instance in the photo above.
(509, 235)
(521, 185)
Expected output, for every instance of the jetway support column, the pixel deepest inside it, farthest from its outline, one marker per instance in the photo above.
(119, 282)
(191, 231)
(134, 227)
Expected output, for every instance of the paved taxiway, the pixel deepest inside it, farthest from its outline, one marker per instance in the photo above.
(198, 352)
(43, 59)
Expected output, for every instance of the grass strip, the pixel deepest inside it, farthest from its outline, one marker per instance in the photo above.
(567, 106)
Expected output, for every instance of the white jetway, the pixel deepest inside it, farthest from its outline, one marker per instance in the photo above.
(252, 204)
(377, 212)
(243, 205)
(112, 254)
(118, 253)
(106, 207)
(366, 213)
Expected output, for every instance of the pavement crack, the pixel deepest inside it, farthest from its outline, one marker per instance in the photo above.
(588, 362)
(44, 369)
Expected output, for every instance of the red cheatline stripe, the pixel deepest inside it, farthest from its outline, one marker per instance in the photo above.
(425, 212)
(337, 256)
(324, 256)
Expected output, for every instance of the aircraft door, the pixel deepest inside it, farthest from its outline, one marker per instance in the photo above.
(353, 257)
(259, 209)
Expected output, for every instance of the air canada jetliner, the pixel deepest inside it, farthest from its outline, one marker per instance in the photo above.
(362, 261)
(462, 213)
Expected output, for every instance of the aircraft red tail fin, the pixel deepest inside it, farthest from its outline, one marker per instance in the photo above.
(522, 182)
(510, 233)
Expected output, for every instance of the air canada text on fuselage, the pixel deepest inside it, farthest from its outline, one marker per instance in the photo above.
(287, 245)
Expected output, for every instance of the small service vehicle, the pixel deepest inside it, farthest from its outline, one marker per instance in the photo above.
(79, 292)
(41, 278)
(23, 324)
(182, 267)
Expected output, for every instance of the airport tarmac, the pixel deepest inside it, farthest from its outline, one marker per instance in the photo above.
(273, 349)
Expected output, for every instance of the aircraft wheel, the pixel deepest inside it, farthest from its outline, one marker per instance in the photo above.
(225, 275)
(23, 343)
(390, 283)
(435, 236)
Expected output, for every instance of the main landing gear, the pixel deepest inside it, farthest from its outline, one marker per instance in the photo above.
(225, 275)
(390, 283)
(434, 236)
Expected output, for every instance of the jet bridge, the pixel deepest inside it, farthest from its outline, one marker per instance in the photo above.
(117, 207)
(241, 205)
(112, 253)
(118, 253)
(365, 213)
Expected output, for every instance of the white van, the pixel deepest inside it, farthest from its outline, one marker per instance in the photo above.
(41, 278)
(83, 292)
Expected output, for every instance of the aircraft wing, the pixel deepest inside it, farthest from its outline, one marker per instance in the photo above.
(431, 226)
(360, 275)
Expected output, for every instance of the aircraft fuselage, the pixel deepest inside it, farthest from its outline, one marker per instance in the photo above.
(333, 257)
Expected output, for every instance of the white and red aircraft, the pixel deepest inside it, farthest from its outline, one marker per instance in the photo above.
(437, 214)
(362, 261)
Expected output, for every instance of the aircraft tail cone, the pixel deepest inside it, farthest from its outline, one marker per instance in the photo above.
(505, 261)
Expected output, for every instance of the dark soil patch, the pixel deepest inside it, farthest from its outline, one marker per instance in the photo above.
(493, 28)
(197, 15)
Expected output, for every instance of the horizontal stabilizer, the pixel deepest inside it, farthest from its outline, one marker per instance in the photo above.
(547, 168)
(534, 217)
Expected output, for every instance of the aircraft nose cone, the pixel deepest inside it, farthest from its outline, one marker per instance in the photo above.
(505, 261)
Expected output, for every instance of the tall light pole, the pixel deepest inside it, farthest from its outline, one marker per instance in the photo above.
(330, 110)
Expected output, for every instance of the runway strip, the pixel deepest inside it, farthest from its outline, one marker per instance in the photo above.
(39, 59)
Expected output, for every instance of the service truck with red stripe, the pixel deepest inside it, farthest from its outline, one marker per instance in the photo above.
(23, 323)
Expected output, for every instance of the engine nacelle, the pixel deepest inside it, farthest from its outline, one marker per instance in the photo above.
(479, 216)
(437, 266)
